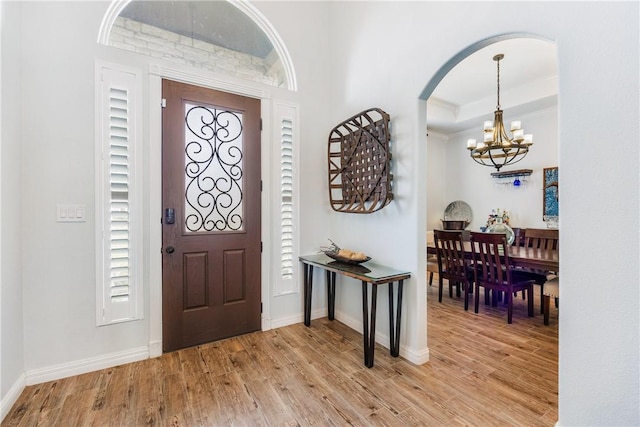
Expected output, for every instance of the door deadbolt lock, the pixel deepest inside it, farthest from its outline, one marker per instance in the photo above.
(170, 216)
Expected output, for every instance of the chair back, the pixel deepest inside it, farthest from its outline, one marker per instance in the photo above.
(541, 238)
(452, 264)
(430, 236)
(490, 255)
(519, 236)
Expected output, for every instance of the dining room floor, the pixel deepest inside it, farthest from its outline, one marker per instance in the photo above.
(499, 373)
(481, 372)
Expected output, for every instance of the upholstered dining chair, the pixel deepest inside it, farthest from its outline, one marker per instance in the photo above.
(452, 264)
(492, 270)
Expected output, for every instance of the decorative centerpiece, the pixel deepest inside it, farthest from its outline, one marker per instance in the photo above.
(344, 255)
(457, 216)
(498, 222)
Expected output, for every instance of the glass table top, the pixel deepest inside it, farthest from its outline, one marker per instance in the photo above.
(367, 271)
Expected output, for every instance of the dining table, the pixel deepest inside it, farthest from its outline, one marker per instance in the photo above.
(520, 256)
(545, 260)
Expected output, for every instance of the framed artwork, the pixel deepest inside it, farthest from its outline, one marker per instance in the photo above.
(550, 194)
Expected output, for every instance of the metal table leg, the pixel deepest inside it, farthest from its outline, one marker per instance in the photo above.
(331, 294)
(369, 323)
(308, 287)
(394, 320)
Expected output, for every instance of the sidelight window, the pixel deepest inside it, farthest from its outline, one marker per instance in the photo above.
(118, 195)
(286, 136)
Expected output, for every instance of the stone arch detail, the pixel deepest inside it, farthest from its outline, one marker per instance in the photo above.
(116, 7)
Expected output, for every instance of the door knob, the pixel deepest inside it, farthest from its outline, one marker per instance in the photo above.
(170, 249)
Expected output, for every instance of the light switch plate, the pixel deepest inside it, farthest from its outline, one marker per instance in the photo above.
(71, 213)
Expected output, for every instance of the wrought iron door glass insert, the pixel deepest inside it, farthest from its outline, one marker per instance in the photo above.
(213, 169)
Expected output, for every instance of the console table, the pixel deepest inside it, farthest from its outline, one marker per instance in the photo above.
(367, 272)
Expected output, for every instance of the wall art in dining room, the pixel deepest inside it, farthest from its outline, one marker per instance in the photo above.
(551, 195)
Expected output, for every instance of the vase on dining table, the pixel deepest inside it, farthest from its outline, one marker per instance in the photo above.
(501, 227)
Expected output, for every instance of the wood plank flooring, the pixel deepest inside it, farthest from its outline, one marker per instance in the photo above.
(482, 372)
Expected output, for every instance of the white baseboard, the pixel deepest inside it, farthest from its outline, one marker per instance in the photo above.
(416, 357)
(316, 314)
(155, 348)
(356, 325)
(299, 318)
(286, 321)
(265, 324)
(8, 400)
(78, 367)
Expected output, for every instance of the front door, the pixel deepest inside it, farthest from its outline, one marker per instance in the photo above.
(211, 215)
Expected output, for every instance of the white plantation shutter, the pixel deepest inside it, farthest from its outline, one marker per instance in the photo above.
(118, 231)
(286, 243)
(118, 196)
(286, 199)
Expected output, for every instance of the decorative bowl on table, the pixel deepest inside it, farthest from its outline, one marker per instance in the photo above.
(454, 225)
(335, 255)
(346, 256)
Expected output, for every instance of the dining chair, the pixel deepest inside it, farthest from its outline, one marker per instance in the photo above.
(432, 260)
(452, 264)
(551, 290)
(492, 270)
(519, 236)
(432, 267)
(543, 239)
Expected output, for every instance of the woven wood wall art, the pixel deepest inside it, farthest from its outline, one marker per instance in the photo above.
(360, 163)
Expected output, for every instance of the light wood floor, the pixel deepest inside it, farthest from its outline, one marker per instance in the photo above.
(481, 372)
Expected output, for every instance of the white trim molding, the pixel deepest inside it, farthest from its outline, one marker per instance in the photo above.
(78, 367)
(417, 357)
(205, 78)
(263, 23)
(8, 400)
(110, 16)
(156, 74)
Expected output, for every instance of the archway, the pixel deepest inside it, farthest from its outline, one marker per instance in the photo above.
(447, 157)
(463, 98)
(179, 28)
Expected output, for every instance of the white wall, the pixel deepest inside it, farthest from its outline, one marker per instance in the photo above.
(11, 308)
(466, 180)
(389, 56)
(305, 38)
(57, 66)
(436, 183)
(58, 265)
(382, 54)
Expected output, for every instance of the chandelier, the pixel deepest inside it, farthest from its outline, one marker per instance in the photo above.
(498, 149)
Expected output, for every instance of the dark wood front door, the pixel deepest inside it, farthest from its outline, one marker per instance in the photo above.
(211, 215)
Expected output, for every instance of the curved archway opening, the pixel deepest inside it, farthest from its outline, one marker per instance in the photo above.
(461, 96)
(227, 37)
(458, 98)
